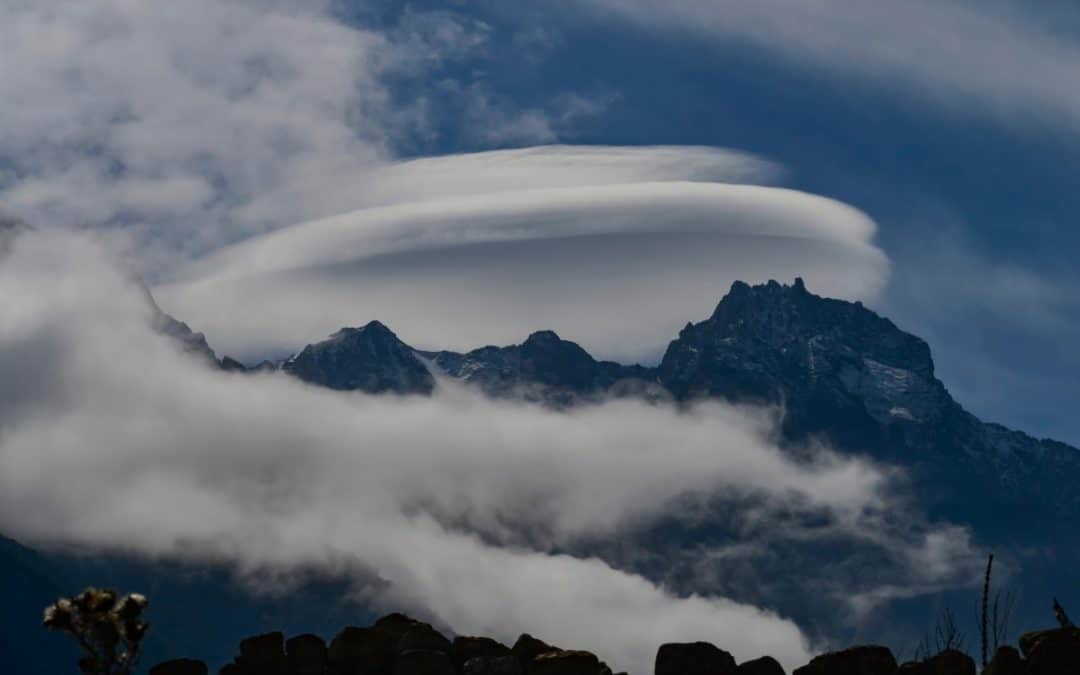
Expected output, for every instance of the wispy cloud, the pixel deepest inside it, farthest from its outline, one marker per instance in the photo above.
(1009, 61)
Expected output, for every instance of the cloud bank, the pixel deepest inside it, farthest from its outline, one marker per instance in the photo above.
(111, 438)
(180, 127)
(613, 247)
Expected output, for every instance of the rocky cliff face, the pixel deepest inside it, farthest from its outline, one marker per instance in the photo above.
(783, 345)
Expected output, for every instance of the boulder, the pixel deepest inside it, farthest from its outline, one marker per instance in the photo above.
(863, 660)
(263, 655)
(360, 651)
(422, 637)
(694, 658)
(766, 665)
(527, 648)
(1029, 640)
(423, 662)
(566, 663)
(1052, 652)
(465, 648)
(306, 654)
(394, 625)
(1006, 661)
(180, 667)
(492, 665)
(948, 662)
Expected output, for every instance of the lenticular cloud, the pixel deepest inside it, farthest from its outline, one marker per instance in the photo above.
(613, 247)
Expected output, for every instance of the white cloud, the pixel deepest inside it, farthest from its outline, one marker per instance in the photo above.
(613, 247)
(112, 438)
(982, 58)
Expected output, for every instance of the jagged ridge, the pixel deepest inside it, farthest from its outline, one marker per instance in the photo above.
(840, 371)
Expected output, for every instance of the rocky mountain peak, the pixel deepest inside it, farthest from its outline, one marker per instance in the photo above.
(544, 349)
(543, 338)
(370, 359)
(781, 316)
(543, 368)
(785, 345)
(373, 332)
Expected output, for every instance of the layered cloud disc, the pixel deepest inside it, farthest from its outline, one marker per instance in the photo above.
(615, 248)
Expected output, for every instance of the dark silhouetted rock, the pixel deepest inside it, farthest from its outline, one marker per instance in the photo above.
(359, 651)
(693, 658)
(180, 667)
(465, 648)
(1006, 661)
(566, 663)
(421, 636)
(1052, 652)
(263, 655)
(866, 660)
(527, 648)
(423, 662)
(766, 665)
(948, 662)
(493, 665)
(395, 623)
(1028, 641)
(376, 650)
(307, 655)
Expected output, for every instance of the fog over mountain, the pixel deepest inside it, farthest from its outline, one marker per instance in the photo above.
(129, 443)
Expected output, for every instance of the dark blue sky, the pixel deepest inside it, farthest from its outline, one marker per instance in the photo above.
(975, 210)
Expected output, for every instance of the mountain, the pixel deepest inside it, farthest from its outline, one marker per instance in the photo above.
(841, 372)
(188, 340)
(545, 368)
(850, 376)
(370, 359)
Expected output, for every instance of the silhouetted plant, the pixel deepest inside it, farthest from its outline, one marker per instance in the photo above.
(985, 607)
(993, 614)
(946, 635)
(1061, 616)
(108, 628)
(1000, 615)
